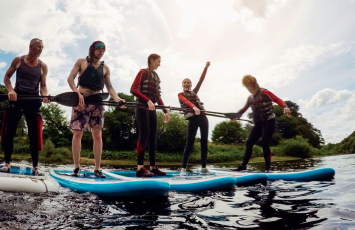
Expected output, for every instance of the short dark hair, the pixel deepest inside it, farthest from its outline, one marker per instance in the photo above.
(34, 40)
(152, 57)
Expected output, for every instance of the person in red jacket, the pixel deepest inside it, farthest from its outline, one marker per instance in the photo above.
(189, 99)
(260, 101)
(146, 89)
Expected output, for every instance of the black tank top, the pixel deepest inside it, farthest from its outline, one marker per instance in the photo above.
(28, 78)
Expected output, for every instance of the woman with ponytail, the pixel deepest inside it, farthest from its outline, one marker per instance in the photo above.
(146, 89)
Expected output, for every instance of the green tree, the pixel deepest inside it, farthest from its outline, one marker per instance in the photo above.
(290, 127)
(120, 128)
(297, 125)
(171, 136)
(229, 132)
(347, 145)
(55, 125)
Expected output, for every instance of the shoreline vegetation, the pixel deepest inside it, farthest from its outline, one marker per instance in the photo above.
(91, 161)
(217, 154)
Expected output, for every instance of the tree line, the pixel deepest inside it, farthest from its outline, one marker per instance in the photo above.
(120, 130)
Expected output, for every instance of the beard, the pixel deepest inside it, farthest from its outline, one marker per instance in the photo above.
(98, 57)
(36, 53)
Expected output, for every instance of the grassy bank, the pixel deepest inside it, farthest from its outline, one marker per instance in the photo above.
(287, 150)
(91, 161)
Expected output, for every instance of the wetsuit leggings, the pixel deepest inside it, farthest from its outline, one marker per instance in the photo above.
(34, 123)
(195, 122)
(147, 126)
(264, 130)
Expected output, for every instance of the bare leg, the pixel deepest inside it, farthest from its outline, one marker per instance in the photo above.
(76, 147)
(139, 167)
(96, 136)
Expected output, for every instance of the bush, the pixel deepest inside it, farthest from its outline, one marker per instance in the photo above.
(171, 136)
(223, 153)
(21, 145)
(229, 132)
(257, 151)
(52, 154)
(278, 151)
(297, 147)
(48, 149)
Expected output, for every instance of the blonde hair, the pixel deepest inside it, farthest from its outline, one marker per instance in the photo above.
(249, 81)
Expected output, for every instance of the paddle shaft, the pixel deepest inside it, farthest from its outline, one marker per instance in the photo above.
(67, 99)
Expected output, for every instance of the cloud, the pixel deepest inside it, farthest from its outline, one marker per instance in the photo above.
(336, 122)
(253, 13)
(204, 13)
(2, 64)
(299, 59)
(67, 28)
(328, 97)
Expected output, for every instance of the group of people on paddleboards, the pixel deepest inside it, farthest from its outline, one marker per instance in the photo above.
(94, 75)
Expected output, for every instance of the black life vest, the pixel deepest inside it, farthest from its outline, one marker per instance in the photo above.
(149, 86)
(261, 105)
(93, 78)
(194, 99)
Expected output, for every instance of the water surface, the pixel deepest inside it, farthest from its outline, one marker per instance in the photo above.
(317, 205)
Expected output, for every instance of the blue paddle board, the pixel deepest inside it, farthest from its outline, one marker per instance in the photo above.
(111, 186)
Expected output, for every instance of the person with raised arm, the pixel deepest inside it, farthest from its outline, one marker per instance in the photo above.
(189, 99)
(93, 76)
(146, 89)
(31, 74)
(260, 102)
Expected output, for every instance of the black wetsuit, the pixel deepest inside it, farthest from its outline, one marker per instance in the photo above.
(146, 87)
(27, 83)
(264, 130)
(189, 100)
(264, 119)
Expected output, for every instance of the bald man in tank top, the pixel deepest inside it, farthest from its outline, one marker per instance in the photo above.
(31, 74)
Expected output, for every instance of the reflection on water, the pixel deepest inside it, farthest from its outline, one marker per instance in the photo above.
(278, 205)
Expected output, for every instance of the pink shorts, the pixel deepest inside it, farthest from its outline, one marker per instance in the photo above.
(87, 117)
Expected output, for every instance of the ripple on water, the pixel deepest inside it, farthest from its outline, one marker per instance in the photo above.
(277, 205)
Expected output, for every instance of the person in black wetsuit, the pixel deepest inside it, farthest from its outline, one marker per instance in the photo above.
(189, 99)
(146, 89)
(93, 76)
(31, 74)
(260, 101)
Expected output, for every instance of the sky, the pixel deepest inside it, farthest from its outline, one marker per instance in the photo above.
(301, 50)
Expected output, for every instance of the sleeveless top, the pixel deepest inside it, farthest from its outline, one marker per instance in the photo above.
(28, 78)
(93, 78)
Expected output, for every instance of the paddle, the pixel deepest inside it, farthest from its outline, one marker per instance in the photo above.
(99, 97)
(140, 105)
(68, 99)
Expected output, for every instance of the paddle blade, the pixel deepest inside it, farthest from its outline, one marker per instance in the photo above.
(68, 99)
(96, 97)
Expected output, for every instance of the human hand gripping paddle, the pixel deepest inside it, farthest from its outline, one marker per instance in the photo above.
(67, 99)
(232, 116)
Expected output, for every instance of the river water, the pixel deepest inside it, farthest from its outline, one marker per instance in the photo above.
(314, 205)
